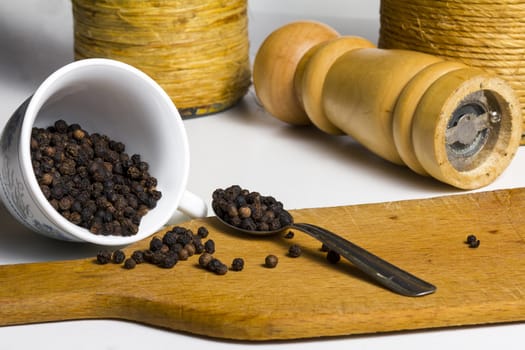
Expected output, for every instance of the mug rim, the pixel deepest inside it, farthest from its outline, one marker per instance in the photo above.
(73, 231)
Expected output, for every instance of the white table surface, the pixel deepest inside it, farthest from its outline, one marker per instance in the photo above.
(301, 166)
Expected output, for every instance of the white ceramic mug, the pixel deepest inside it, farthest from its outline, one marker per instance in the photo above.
(111, 98)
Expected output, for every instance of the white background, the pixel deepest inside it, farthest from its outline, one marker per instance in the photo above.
(302, 167)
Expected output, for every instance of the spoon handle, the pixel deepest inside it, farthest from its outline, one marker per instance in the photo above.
(382, 271)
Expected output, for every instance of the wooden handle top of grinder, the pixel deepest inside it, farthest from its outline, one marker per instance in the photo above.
(441, 118)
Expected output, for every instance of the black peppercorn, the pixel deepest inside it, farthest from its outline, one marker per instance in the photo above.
(61, 126)
(294, 251)
(472, 241)
(46, 179)
(245, 212)
(199, 247)
(75, 218)
(202, 232)
(79, 134)
(237, 264)
(155, 244)
(184, 238)
(271, 261)
(333, 257)
(248, 224)
(118, 256)
(170, 238)
(190, 248)
(65, 203)
(164, 249)
(176, 248)
(148, 255)
(209, 246)
(289, 235)
(156, 258)
(138, 256)
(221, 269)
(168, 261)
(205, 259)
(183, 254)
(216, 266)
(104, 257)
(130, 263)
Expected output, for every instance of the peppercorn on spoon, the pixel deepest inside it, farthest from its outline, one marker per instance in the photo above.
(390, 276)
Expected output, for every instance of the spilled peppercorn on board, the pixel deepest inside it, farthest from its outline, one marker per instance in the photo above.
(305, 296)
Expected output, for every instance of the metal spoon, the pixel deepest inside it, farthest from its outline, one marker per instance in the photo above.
(380, 270)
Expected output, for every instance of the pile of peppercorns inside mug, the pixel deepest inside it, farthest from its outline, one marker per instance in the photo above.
(90, 179)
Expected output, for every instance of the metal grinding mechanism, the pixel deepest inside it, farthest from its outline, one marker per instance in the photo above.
(440, 118)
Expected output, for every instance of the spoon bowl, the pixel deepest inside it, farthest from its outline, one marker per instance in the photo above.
(388, 275)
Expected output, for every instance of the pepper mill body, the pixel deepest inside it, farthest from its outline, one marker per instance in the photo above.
(441, 118)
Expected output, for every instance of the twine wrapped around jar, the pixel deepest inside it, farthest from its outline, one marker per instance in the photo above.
(487, 34)
(197, 50)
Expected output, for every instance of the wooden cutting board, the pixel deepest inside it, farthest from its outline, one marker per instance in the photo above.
(306, 296)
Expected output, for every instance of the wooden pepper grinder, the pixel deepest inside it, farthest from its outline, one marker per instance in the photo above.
(458, 124)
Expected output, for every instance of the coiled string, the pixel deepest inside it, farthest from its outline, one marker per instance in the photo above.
(487, 34)
(197, 50)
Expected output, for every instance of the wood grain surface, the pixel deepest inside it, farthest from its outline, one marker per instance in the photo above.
(304, 297)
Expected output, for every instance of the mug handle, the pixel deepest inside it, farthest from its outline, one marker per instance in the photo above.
(192, 205)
